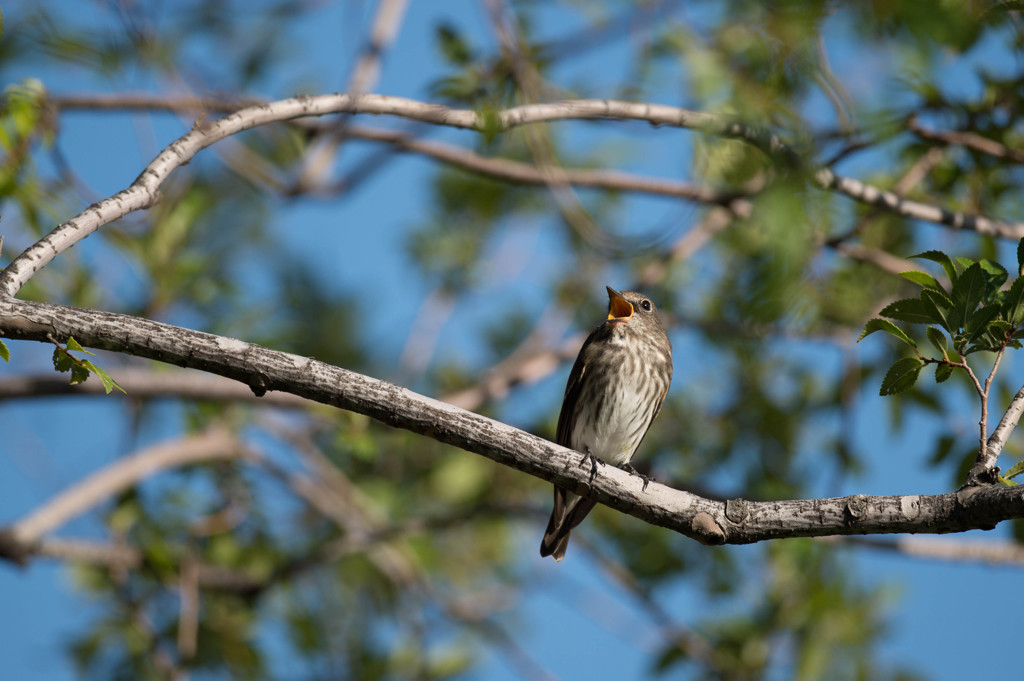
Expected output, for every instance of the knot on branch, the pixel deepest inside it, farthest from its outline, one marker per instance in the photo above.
(736, 510)
(980, 476)
(258, 384)
(706, 530)
(856, 508)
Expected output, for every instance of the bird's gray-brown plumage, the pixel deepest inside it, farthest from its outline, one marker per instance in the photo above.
(615, 390)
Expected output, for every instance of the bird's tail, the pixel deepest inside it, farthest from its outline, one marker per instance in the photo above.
(569, 511)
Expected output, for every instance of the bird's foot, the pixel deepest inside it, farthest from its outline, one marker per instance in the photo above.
(632, 471)
(593, 461)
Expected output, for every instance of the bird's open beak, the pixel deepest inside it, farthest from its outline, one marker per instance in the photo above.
(618, 307)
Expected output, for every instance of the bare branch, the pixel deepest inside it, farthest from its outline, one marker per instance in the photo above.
(991, 552)
(524, 173)
(144, 101)
(971, 140)
(188, 617)
(876, 256)
(873, 196)
(363, 78)
(687, 640)
(382, 33)
(212, 445)
(986, 461)
(708, 521)
(518, 368)
(146, 384)
(144, 192)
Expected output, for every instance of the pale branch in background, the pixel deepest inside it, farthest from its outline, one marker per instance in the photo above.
(144, 192)
(123, 474)
(961, 551)
(323, 149)
(525, 173)
(147, 383)
(530, 86)
(525, 366)
(970, 140)
(713, 522)
(686, 639)
(884, 260)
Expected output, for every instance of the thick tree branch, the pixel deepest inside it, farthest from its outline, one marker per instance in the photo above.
(709, 521)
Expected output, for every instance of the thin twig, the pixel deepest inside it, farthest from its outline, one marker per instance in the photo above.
(691, 643)
(971, 140)
(984, 469)
(188, 609)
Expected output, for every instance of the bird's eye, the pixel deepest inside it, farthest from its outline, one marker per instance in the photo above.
(646, 305)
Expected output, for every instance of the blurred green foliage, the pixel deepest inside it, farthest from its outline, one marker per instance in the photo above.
(412, 559)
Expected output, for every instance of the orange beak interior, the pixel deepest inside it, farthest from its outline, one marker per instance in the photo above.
(618, 307)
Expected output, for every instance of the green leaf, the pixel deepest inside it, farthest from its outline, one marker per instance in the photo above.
(913, 310)
(967, 293)
(1017, 468)
(1000, 329)
(79, 374)
(5, 353)
(877, 324)
(977, 322)
(452, 46)
(1013, 302)
(108, 382)
(943, 371)
(942, 449)
(901, 376)
(938, 339)
(62, 361)
(938, 303)
(75, 345)
(964, 263)
(942, 259)
(922, 278)
(490, 124)
(995, 277)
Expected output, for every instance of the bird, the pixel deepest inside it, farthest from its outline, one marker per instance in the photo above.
(614, 392)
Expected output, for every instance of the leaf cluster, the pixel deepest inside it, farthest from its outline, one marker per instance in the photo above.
(64, 361)
(975, 313)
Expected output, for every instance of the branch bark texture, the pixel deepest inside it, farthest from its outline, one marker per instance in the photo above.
(712, 522)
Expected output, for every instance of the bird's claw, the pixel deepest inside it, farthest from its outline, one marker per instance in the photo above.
(593, 461)
(632, 471)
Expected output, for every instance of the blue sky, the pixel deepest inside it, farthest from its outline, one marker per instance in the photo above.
(942, 622)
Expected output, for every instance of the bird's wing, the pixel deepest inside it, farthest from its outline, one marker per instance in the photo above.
(563, 434)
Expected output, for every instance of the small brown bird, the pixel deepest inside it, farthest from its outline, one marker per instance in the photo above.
(615, 390)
